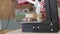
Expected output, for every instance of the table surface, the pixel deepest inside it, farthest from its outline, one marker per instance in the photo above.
(20, 32)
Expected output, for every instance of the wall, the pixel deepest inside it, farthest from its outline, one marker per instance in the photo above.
(13, 25)
(6, 7)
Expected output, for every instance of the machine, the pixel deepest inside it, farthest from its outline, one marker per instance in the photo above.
(51, 22)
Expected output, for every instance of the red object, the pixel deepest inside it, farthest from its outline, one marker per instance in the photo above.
(59, 22)
(22, 2)
(26, 19)
(43, 10)
(42, 2)
(58, 3)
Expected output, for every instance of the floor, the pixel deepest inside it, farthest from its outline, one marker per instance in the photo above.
(20, 32)
(12, 32)
(4, 31)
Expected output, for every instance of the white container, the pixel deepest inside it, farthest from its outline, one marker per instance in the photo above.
(39, 20)
(40, 17)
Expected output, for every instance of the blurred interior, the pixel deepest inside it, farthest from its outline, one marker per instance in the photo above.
(11, 6)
